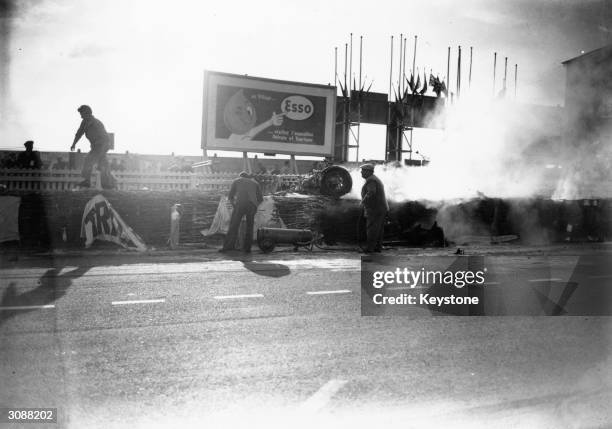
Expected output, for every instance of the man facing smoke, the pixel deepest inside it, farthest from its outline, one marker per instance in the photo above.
(375, 208)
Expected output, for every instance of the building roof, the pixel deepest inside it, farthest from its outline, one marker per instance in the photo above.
(592, 55)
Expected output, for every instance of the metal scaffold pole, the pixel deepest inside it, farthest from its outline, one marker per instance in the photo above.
(345, 119)
(470, 74)
(336, 67)
(448, 72)
(389, 104)
(360, 95)
(515, 79)
(494, 68)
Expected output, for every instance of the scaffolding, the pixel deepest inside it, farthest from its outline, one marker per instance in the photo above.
(403, 114)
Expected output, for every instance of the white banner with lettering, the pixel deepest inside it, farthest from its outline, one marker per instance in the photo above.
(101, 222)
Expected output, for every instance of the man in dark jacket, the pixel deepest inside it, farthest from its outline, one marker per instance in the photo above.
(29, 158)
(245, 195)
(100, 144)
(375, 208)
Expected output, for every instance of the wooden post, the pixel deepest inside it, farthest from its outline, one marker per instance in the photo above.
(246, 163)
(294, 167)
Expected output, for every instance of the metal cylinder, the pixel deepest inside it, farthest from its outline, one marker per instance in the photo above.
(267, 238)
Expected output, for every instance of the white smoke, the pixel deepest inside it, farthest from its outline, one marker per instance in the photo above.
(482, 151)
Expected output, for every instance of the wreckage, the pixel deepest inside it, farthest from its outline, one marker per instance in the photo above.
(333, 181)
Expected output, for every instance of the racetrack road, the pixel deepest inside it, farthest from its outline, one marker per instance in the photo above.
(279, 341)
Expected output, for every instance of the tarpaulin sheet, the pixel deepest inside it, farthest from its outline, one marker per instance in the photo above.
(266, 217)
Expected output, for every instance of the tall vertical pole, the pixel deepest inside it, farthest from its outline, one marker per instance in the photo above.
(391, 70)
(399, 76)
(494, 67)
(448, 71)
(515, 78)
(404, 68)
(336, 67)
(345, 127)
(359, 100)
(345, 66)
(458, 71)
(414, 54)
(351, 67)
(360, 58)
(505, 74)
(470, 76)
(389, 104)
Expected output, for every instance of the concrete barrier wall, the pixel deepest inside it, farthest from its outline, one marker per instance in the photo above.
(43, 217)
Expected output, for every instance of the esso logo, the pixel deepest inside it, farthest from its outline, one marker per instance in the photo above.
(297, 107)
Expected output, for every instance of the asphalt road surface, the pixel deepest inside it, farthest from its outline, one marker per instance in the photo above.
(279, 341)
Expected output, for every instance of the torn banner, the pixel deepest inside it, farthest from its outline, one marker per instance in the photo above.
(101, 222)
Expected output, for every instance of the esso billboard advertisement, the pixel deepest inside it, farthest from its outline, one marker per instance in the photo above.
(297, 107)
(250, 114)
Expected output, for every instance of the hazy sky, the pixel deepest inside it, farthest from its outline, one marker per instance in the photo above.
(140, 63)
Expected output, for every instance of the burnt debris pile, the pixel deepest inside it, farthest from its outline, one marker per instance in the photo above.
(433, 224)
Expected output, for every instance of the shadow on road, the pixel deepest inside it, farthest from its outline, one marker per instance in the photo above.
(266, 269)
(259, 268)
(52, 287)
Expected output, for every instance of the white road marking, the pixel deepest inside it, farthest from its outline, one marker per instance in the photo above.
(253, 295)
(490, 283)
(27, 307)
(322, 396)
(140, 301)
(544, 280)
(328, 292)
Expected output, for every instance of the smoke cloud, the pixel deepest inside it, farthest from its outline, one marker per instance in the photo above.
(498, 148)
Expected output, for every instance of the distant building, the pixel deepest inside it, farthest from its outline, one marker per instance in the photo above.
(588, 99)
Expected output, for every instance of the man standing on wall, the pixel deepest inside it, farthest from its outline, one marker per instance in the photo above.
(100, 144)
(245, 195)
(375, 208)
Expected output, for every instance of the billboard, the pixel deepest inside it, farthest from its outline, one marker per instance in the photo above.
(251, 114)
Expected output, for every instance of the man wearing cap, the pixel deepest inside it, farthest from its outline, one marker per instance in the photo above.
(29, 158)
(245, 195)
(375, 208)
(95, 132)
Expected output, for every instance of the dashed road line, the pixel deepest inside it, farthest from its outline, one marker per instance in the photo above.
(322, 396)
(26, 307)
(253, 295)
(328, 292)
(139, 301)
(544, 280)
